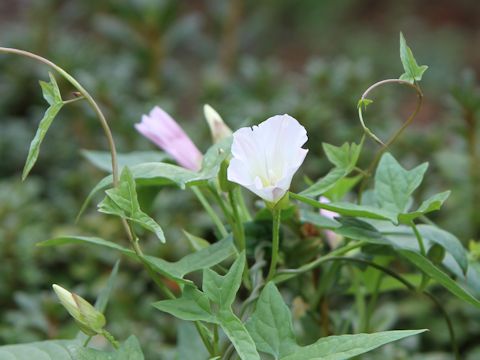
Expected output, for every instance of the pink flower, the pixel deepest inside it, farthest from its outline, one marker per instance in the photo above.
(162, 130)
(333, 239)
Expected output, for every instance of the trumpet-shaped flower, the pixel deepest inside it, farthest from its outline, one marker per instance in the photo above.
(265, 157)
(162, 130)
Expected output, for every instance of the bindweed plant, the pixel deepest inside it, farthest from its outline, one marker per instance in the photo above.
(355, 233)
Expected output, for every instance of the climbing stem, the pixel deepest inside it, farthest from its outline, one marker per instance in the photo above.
(276, 213)
(384, 146)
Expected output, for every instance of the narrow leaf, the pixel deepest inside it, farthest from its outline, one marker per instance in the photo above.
(438, 275)
(347, 346)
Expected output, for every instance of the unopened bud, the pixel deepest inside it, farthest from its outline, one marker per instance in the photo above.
(90, 320)
(218, 128)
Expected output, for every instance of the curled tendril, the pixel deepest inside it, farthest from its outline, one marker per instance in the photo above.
(364, 102)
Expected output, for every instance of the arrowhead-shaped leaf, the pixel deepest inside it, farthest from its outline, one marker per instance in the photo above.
(394, 185)
(122, 201)
(51, 93)
(413, 72)
(344, 158)
(222, 289)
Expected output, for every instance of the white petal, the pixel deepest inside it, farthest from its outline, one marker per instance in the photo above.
(265, 157)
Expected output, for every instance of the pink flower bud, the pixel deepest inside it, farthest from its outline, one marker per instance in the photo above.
(161, 129)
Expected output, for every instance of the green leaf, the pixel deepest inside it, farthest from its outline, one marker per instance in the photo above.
(413, 72)
(438, 275)
(448, 241)
(41, 350)
(51, 93)
(199, 260)
(159, 174)
(360, 230)
(65, 240)
(103, 161)
(129, 350)
(325, 183)
(271, 328)
(349, 209)
(238, 335)
(344, 158)
(189, 343)
(102, 299)
(196, 243)
(222, 289)
(318, 220)
(193, 305)
(347, 346)
(50, 90)
(364, 103)
(104, 296)
(394, 185)
(122, 201)
(271, 324)
(202, 259)
(342, 187)
(433, 203)
(70, 350)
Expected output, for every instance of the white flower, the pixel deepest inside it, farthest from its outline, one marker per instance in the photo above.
(265, 157)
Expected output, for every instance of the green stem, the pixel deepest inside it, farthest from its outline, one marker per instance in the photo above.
(425, 277)
(276, 214)
(216, 220)
(240, 201)
(215, 340)
(222, 203)
(85, 94)
(372, 303)
(395, 136)
(111, 339)
(419, 238)
(87, 340)
(238, 229)
(307, 267)
(359, 300)
(204, 339)
(239, 234)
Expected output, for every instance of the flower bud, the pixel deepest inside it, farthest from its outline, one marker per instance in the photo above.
(436, 254)
(218, 128)
(90, 320)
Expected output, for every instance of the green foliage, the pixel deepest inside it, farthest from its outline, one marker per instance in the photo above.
(344, 158)
(160, 174)
(122, 201)
(51, 93)
(394, 185)
(70, 350)
(199, 260)
(413, 72)
(272, 330)
(103, 160)
(195, 305)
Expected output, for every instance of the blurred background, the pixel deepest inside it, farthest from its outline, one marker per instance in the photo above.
(249, 60)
